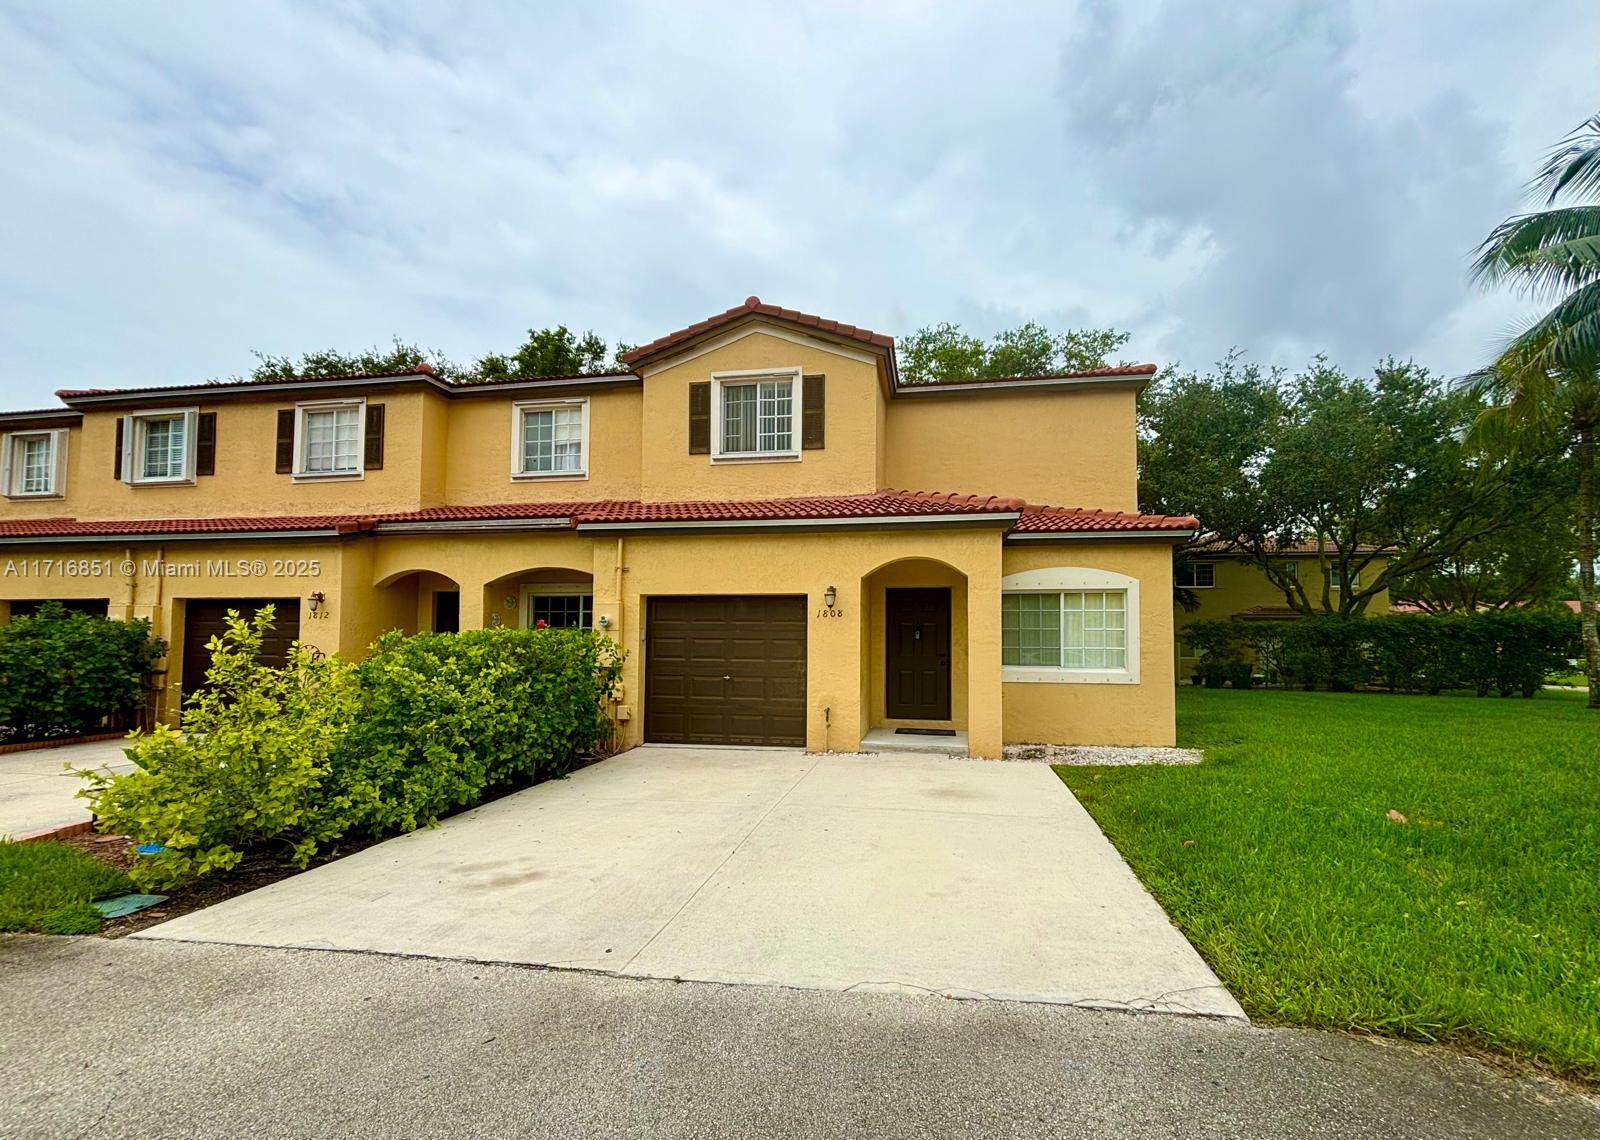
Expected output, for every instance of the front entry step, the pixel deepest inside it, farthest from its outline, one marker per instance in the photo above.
(887, 740)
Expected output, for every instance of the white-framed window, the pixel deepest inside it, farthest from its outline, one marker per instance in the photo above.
(35, 464)
(1197, 575)
(756, 415)
(1336, 579)
(1067, 624)
(559, 605)
(550, 439)
(158, 447)
(329, 436)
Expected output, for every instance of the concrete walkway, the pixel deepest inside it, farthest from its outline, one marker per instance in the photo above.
(897, 873)
(161, 1039)
(38, 793)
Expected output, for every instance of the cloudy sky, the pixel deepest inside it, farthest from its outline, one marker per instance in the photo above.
(185, 183)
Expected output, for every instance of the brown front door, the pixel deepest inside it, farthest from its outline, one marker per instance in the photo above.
(725, 670)
(917, 669)
(204, 619)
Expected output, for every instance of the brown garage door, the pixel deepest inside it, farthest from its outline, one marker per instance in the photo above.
(725, 670)
(205, 619)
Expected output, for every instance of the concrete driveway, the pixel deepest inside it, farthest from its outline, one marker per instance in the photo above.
(38, 793)
(897, 873)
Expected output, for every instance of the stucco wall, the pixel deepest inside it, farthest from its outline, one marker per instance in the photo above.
(481, 440)
(847, 465)
(1070, 449)
(1240, 586)
(1084, 713)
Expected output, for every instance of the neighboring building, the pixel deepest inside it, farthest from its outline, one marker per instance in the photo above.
(1230, 587)
(719, 510)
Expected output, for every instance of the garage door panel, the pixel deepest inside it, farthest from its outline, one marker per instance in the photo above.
(205, 618)
(725, 670)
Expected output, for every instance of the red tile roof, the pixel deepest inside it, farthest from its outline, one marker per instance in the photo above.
(248, 382)
(1212, 544)
(1109, 372)
(757, 305)
(1078, 520)
(879, 504)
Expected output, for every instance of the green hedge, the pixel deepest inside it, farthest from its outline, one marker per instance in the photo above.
(1494, 651)
(291, 760)
(64, 673)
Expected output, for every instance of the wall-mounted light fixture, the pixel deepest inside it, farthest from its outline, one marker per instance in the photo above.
(829, 596)
(605, 622)
(317, 599)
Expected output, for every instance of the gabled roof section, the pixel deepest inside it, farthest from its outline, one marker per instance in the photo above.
(754, 306)
(1041, 522)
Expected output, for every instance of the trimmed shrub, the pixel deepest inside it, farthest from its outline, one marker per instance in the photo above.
(289, 761)
(64, 673)
(1494, 651)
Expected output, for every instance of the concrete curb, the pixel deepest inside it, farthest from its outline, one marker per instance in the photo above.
(37, 745)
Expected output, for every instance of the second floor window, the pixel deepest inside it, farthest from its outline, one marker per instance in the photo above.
(1336, 579)
(551, 439)
(158, 447)
(330, 440)
(1198, 575)
(757, 416)
(162, 450)
(32, 466)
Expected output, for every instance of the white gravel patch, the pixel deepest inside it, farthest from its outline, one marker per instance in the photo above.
(1100, 754)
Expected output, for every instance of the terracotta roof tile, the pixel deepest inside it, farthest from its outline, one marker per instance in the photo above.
(878, 504)
(1113, 370)
(1077, 520)
(756, 305)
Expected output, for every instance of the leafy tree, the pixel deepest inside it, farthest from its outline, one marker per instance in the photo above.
(1545, 386)
(944, 352)
(398, 357)
(1373, 473)
(547, 352)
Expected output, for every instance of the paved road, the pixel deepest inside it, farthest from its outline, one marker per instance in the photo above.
(163, 1039)
(763, 866)
(37, 792)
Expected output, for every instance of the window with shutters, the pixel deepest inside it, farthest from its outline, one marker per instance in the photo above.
(550, 440)
(34, 463)
(329, 439)
(756, 415)
(158, 447)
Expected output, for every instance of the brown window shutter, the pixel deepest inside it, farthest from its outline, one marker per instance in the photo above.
(205, 443)
(700, 418)
(374, 457)
(116, 459)
(814, 416)
(285, 464)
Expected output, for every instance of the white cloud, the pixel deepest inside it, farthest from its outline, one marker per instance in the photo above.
(187, 184)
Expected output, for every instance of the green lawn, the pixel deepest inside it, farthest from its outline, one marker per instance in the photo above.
(1477, 920)
(47, 887)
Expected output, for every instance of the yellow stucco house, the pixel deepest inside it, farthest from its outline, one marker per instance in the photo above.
(720, 509)
(1229, 587)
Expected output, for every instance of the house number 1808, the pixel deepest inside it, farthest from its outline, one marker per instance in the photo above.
(830, 612)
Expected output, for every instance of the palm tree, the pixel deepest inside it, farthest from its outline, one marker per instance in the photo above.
(1545, 386)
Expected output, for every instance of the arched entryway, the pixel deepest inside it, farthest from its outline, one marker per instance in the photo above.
(419, 601)
(556, 597)
(914, 664)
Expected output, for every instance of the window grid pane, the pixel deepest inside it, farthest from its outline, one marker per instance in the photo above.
(552, 440)
(163, 449)
(561, 611)
(1075, 629)
(758, 418)
(332, 440)
(36, 462)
